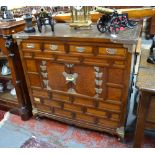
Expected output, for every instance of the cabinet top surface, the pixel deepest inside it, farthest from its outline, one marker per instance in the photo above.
(9, 24)
(127, 36)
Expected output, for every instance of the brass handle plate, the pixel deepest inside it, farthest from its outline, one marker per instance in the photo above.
(111, 51)
(53, 47)
(30, 45)
(70, 77)
(80, 49)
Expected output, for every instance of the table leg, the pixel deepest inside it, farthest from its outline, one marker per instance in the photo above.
(143, 106)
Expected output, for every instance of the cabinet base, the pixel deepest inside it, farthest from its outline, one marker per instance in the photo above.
(81, 124)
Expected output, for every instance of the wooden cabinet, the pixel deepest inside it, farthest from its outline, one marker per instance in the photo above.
(80, 77)
(17, 100)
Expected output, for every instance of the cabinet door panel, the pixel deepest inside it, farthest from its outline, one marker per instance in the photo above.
(55, 76)
(85, 83)
(115, 76)
(114, 94)
(31, 65)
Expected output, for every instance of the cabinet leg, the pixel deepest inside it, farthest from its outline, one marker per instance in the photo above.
(25, 114)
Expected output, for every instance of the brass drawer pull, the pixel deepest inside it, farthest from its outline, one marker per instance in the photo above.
(80, 49)
(30, 45)
(53, 47)
(111, 51)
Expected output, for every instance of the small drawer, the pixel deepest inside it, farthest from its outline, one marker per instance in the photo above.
(112, 51)
(80, 49)
(30, 46)
(54, 47)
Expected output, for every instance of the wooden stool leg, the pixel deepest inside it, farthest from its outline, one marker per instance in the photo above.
(143, 106)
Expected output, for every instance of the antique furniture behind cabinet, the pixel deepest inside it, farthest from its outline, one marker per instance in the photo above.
(146, 105)
(80, 77)
(17, 101)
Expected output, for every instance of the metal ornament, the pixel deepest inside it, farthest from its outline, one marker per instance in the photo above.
(113, 22)
(28, 21)
(80, 17)
(44, 18)
(70, 77)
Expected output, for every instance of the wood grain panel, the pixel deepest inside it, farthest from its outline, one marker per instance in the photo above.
(109, 106)
(108, 123)
(61, 97)
(55, 76)
(31, 65)
(43, 108)
(63, 113)
(95, 112)
(83, 102)
(40, 93)
(114, 94)
(85, 83)
(85, 118)
(115, 76)
(34, 80)
(52, 103)
(72, 107)
(151, 111)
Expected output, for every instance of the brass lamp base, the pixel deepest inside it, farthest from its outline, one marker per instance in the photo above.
(81, 24)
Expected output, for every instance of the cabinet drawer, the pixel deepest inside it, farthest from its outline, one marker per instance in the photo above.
(112, 51)
(54, 47)
(30, 46)
(80, 49)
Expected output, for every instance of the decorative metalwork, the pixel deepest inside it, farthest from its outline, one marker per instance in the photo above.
(70, 77)
(111, 51)
(120, 131)
(43, 68)
(96, 68)
(53, 47)
(69, 65)
(30, 45)
(45, 75)
(71, 90)
(80, 49)
(43, 62)
(46, 82)
(36, 99)
(98, 75)
(35, 111)
(98, 90)
(98, 81)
